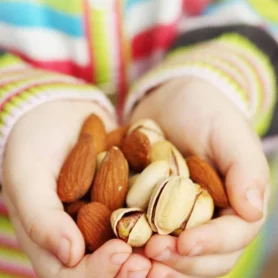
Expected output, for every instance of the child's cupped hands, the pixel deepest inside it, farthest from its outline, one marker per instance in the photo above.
(201, 120)
(35, 152)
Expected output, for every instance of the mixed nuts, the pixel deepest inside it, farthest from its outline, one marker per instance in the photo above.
(133, 182)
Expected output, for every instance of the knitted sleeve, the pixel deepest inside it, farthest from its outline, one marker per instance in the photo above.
(239, 60)
(23, 87)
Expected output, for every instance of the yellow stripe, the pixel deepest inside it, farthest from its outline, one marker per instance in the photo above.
(100, 47)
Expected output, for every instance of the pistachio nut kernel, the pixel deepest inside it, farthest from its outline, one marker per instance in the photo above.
(164, 150)
(131, 225)
(171, 202)
(140, 193)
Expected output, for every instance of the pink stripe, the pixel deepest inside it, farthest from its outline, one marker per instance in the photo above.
(3, 210)
(10, 242)
(13, 269)
(91, 67)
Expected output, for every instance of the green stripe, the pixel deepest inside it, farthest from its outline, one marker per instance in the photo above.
(12, 255)
(72, 7)
(100, 46)
(8, 60)
(4, 275)
(6, 226)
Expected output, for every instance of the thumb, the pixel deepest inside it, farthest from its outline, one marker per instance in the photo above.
(239, 157)
(33, 195)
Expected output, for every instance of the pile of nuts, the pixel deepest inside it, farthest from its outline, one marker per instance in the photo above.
(133, 182)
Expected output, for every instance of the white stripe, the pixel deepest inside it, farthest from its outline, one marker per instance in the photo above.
(228, 14)
(45, 45)
(147, 14)
(210, 76)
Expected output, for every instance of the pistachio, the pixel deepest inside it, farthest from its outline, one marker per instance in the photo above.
(149, 128)
(171, 202)
(164, 150)
(131, 225)
(132, 179)
(202, 211)
(140, 193)
(138, 141)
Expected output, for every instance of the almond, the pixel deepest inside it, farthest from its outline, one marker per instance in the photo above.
(94, 127)
(116, 137)
(93, 220)
(204, 175)
(78, 171)
(111, 183)
(73, 208)
(137, 149)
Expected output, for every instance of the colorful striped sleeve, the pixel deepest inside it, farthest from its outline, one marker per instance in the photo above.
(233, 59)
(23, 87)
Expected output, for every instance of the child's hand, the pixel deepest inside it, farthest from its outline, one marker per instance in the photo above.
(201, 120)
(35, 152)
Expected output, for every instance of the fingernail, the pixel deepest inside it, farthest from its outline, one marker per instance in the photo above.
(163, 256)
(119, 258)
(63, 252)
(254, 197)
(196, 251)
(138, 274)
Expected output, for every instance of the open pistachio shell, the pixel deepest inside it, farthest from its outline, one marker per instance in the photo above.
(149, 128)
(131, 225)
(202, 211)
(171, 202)
(140, 193)
(164, 150)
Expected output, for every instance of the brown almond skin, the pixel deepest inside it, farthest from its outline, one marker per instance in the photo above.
(116, 137)
(78, 171)
(204, 175)
(111, 182)
(94, 127)
(93, 220)
(136, 149)
(73, 208)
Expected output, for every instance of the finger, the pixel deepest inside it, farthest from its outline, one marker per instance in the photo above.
(136, 266)
(162, 271)
(105, 262)
(222, 235)
(33, 194)
(163, 249)
(238, 155)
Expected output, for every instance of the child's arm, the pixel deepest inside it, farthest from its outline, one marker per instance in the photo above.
(41, 113)
(210, 99)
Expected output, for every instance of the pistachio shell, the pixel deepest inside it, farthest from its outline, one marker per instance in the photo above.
(202, 211)
(147, 124)
(149, 128)
(171, 203)
(164, 150)
(140, 193)
(132, 179)
(141, 231)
